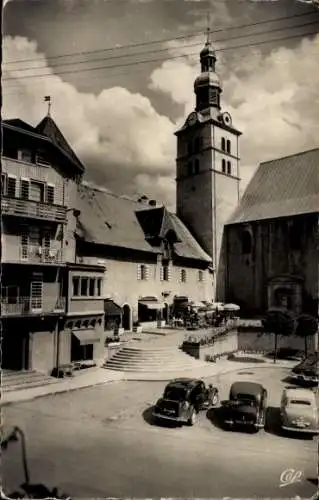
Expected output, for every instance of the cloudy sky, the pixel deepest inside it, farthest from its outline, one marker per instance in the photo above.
(121, 72)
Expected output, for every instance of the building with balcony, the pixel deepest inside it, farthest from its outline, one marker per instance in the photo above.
(38, 183)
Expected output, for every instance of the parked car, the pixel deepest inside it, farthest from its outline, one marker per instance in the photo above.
(299, 410)
(307, 371)
(183, 399)
(246, 406)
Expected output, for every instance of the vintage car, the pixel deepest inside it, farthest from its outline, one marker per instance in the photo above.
(246, 406)
(182, 400)
(307, 371)
(299, 411)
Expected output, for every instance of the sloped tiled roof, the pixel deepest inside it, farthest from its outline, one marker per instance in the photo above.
(48, 127)
(113, 220)
(16, 122)
(281, 188)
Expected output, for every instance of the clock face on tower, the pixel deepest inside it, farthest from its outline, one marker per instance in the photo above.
(192, 119)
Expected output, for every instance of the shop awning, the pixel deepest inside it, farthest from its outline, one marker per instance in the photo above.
(151, 304)
(86, 337)
(111, 308)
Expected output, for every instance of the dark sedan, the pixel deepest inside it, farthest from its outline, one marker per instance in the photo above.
(183, 399)
(246, 406)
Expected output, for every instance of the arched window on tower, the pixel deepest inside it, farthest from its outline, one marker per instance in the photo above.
(196, 167)
(224, 166)
(196, 145)
(189, 148)
(223, 146)
(189, 168)
(246, 242)
(229, 168)
(228, 147)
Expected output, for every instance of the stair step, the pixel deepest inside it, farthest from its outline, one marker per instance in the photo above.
(141, 370)
(23, 378)
(151, 368)
(39, 383)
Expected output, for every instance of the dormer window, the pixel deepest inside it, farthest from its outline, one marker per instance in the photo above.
(41, 158)
(25, 155)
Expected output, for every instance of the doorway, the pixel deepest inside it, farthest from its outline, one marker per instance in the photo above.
(126, 317)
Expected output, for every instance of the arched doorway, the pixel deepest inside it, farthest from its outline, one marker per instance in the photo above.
(126, 318)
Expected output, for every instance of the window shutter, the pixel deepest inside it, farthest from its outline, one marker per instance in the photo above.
(24, 188)
(11, 186)
(162, 273)
(138, 271)
(147, 272)
(50, 193)
(169, 273)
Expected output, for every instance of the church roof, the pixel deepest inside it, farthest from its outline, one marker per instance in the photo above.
(118, 221)
(283, 187)
(48, 127)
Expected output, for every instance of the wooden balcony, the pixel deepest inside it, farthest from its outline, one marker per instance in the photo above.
(40, 255)
(29, 306)
(33, 209)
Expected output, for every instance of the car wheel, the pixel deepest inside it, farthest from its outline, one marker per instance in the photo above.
(192, 418)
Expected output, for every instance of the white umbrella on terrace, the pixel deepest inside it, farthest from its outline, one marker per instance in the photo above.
(231, 307)
(218, 306)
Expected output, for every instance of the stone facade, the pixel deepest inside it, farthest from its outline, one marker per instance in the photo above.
(274, 263)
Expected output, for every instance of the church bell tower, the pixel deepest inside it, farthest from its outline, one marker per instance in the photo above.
(207, 168)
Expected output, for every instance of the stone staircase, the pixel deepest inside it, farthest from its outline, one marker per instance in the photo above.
(20, 380)
(134, 358)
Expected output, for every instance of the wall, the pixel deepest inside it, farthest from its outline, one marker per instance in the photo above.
(266, 342)
(272, 255)
(122, 285)
(65, 347)
(42, 351)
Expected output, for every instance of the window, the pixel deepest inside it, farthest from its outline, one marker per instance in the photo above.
(165, 273)
(91, 287)
(41, 158)
(246, 243)
(50, 193)
(84, 287)
(25, 155)
(35, 237)
(11, 186)
(76, 286)
(200, 275)
(143, 272)
(224, 166)
(196, 166)
(99, 287)
(228, 167)
(24, 189)
(228, 147)
(183, 276)
(36, 191)
(3, 183)
(196, 145)
(223, 145)
(189, 168)
(189, 148)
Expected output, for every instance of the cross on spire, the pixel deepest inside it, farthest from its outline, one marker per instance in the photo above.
(208, 32)
(47, 99)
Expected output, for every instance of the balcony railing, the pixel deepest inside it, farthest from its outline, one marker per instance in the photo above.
(33, 209)
(40, 255)
(24, 306)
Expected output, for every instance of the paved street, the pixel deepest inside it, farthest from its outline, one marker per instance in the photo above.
(101, 442)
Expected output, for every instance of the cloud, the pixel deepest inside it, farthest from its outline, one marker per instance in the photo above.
(123, 141)
(273, 98)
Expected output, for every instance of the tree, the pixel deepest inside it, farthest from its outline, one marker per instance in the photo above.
(307, 326)
(279, 321)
